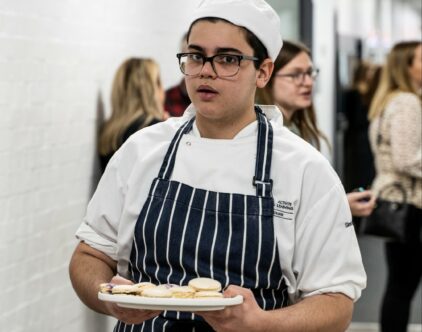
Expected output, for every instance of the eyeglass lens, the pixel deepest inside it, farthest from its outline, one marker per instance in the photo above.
(224, 65)
(300, 77)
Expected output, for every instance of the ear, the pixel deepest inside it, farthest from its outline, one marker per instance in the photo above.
(264, 73)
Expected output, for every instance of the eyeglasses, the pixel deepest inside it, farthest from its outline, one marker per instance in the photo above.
(299, 77)
(224, 65)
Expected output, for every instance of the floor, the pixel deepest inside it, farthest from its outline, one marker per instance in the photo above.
(366, 310)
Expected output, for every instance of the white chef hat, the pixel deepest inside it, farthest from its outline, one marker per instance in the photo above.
(255, 15)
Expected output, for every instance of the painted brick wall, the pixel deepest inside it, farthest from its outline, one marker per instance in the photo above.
(57, 60)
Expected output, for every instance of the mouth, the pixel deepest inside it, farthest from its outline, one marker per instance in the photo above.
(206, 89)
(306, 94)
(206, 92)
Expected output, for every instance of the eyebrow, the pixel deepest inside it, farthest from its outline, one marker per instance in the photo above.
(218, 50)
(300, 68)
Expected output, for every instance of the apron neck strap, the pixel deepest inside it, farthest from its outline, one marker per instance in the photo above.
(261, 180)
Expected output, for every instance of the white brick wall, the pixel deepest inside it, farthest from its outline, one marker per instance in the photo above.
(57, 60)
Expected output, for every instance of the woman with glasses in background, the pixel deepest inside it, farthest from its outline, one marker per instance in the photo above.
(290, 88)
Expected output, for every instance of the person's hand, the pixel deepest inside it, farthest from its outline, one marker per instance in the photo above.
(127, 315)
(166, 115)
(361, 203)
(247, 316)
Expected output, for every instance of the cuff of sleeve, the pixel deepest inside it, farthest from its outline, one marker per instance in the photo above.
(353, 292)
(87, 234)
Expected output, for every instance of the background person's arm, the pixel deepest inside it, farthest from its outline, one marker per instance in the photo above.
(361, 203)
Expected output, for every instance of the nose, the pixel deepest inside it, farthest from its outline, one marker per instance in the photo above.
(208, 70)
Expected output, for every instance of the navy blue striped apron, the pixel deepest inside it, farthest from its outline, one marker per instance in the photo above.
(184, 232)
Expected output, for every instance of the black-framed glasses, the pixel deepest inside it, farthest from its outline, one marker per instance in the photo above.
(224, 65)
(299, 77)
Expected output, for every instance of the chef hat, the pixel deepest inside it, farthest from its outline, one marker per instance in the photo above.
(255, 15)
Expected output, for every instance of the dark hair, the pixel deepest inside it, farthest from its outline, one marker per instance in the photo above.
(260, 51)
(304, 119)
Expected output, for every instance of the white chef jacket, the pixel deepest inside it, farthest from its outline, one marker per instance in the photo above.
(317, 245)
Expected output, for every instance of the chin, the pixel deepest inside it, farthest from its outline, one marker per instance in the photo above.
(207, 111)
(206, 107)
(306, 103)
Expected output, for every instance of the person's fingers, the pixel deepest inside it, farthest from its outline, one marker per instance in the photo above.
(361, 195)
(230, 291)
(233, 290)
(137, 316)
(132, 316)
(365, 213)
(238, 317)
(373, 200)
(360, 209)
(364, 209)
(128, 315)
(118, 280)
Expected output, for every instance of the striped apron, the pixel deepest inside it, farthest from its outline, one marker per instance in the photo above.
(184, 232)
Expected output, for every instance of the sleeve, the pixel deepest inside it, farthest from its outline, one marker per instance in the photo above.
(100, 225)
(405, 131)
(327, 256)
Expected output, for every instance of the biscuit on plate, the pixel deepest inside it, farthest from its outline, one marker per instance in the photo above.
(141, 286)
(156, 292)
(205, 284)
(182, 292)
(144, 285)
(166, 286)
(124, 289)
(208, 295)
(106, 287)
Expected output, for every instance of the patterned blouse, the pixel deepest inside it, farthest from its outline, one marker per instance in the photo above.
(396, 144)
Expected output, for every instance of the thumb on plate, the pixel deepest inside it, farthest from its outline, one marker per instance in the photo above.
(233, 290)
(118, 280)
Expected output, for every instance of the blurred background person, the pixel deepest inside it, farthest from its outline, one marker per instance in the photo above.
(137, 101)
(290, 88)
(177, 98)
(359, 168)
(395, 136)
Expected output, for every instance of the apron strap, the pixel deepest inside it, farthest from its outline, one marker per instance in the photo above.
(168, 163)
(262, 180)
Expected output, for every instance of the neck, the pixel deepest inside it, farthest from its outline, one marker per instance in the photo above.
(417, 87)
(226, 128)
(287, 114)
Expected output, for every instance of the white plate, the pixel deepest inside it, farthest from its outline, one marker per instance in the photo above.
(153, 303)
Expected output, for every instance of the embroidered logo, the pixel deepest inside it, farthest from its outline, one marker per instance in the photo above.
(348, 224)
(284, 210)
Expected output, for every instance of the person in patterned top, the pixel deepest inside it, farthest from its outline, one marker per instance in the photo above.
(395, 136)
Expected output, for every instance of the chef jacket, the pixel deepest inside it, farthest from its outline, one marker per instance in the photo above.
(317, 245)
